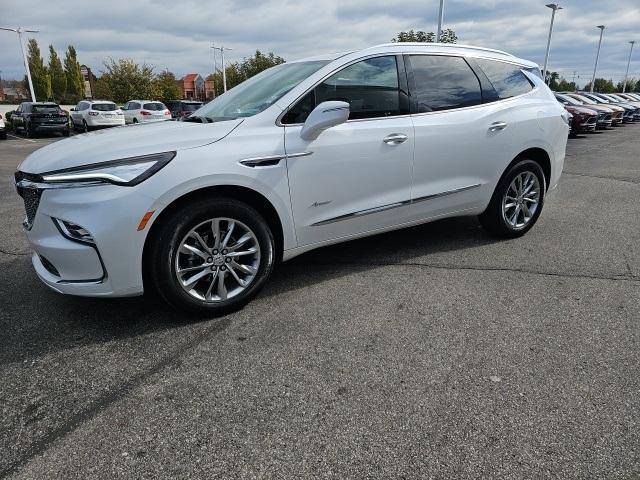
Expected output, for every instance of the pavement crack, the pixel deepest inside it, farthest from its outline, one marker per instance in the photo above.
(13, 254)
(108, 398)
(629, 278)
(603, 177)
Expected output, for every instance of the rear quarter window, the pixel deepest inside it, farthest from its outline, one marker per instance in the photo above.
(507, 79)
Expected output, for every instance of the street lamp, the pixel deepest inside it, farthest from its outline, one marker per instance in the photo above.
(19, 31)
(593, 80)
(553, 7)
(440, 15)
(624, 85)
(222, 48)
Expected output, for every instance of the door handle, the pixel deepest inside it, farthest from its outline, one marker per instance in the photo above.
(395, 139)
(497, 126)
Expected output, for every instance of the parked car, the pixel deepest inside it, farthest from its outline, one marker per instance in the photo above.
(630, 97)
(584, 119)
(627, 110)
(305, 154)
(604, 118)
(145, 111)
(89, 114)
(183, 108)
(632, 108)
(617, 113)
(36, 117)
(3, 129)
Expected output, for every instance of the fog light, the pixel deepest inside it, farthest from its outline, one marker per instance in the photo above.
(73, 231)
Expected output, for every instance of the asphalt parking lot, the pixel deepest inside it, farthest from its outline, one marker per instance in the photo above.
(432, 352)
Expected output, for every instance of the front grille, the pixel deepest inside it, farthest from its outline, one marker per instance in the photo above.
(31, 197)
(591, 121)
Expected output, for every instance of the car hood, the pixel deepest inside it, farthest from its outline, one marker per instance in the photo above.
(123, 142)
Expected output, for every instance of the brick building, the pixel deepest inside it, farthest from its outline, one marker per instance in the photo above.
(193, 87)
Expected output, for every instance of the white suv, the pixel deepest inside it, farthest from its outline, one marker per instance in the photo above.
(89, 114)
(305, 154)
(145, 111)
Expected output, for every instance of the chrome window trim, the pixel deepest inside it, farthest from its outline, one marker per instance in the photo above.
(534, 88)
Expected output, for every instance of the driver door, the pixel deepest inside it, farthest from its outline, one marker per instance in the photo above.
(355, 177)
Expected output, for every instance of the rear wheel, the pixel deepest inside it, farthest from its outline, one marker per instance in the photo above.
(85, 127)
(29, 132)
(517, 201)
(211, 257)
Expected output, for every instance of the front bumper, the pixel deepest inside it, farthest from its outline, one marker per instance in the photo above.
(112, 265)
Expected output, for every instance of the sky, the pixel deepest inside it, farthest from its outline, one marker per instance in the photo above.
(177, 34)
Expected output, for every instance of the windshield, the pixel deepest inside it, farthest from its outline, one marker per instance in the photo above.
(155, 106)
(46, 109)
(104, 107)
(569, 99)
(258, 93)
(191, 107)
(585, 99)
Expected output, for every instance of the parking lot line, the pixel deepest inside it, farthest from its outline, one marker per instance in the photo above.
(20, 138)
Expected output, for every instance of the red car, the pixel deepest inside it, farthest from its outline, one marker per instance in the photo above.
(584, 119)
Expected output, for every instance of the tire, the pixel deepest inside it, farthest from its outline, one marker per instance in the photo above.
(135, 120)
(498, 218)
(3, 135)
(66, 132)
(171, 249)
(85, 127)
(28, 131)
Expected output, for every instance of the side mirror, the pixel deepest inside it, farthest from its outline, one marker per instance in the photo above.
(73, 109)
(324, 116)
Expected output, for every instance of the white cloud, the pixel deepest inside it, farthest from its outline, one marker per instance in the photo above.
(177, 35)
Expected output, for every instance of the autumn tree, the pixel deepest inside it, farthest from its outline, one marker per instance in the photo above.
(39, 74)
(75, 80)
(58, 77)
(124, 79)
(238, 72)
(166, 86)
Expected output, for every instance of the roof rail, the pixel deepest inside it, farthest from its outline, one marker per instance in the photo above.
(450, 45)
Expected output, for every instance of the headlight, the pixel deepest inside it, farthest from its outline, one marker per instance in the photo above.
(127, 171)
(566, 116)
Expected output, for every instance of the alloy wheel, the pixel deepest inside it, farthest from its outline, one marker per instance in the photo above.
(521, 200)
(217, 260)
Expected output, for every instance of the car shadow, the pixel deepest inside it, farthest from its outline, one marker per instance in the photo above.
(37, 321)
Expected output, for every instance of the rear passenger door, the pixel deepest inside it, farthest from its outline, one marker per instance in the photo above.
(462, 141)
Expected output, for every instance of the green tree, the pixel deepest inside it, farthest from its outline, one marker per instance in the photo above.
(75, 80)
(631, 85)
(39, 74)
(124, 79)
(552, 80)
(238, 72)
(166, 86)
(447, 36)
(601, 85)
(58, 78)
(564, 86)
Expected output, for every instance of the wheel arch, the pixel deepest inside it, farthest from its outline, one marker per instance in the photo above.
(244, 194)
(538, 155)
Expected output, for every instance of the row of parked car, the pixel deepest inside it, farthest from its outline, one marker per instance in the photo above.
(591, 111)
(36, 117)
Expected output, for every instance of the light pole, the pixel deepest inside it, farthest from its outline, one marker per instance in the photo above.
(440, 15)
(553, 7)
(222, 48)
(595, 68)
(19, 31)
(624, 85)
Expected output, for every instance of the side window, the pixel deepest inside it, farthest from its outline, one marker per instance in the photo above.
(506, 78)
(371, 88)
(444, 83)
(134, 106)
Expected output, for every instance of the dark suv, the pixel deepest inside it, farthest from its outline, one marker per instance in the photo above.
(36, 117)
(183, 108)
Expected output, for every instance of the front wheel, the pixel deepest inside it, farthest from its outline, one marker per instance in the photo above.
(517, 201)
(211, 257)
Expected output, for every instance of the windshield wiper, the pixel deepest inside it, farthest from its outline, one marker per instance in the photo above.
(196, 119)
